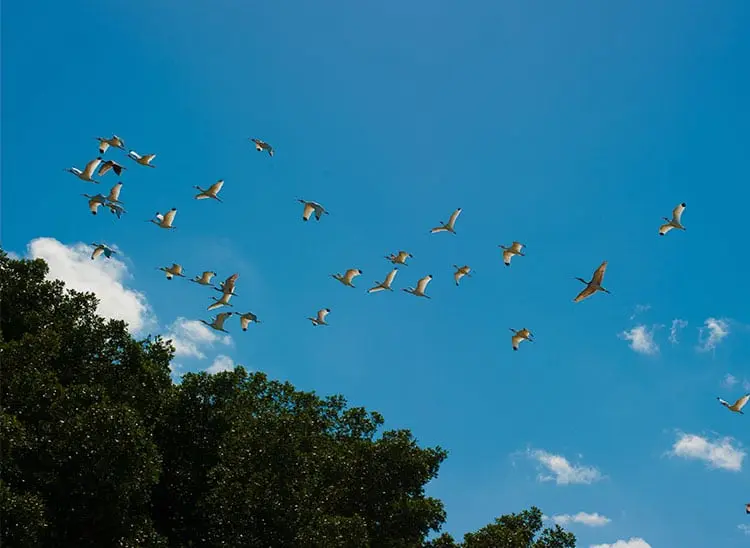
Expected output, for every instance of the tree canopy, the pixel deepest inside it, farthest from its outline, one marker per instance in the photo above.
(100, 448)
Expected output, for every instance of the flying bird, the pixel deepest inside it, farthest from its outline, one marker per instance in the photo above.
(594, 285)
(227, 286)
(262, 145)
(449, 226)
(247, 319)
(205, 278)
(222, 301)
(218, 322)
(460, 272)
(674, 222)
(174, 270)
(113, 141)
(101, 248)
(385, 284)
(399, 258)
(166, 220)
(348, 276)
(321, 317)
(519, 336)
(508, 252)
(144, 160)
(309, 208)
(110, 164)
(114, 194)
(736, 406)
(210, 192)
(419, 291)
(95, 202)
(88, 172)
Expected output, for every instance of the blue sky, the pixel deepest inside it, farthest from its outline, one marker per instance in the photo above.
(571, 128)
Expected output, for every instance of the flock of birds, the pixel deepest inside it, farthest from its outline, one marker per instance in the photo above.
(99, 167)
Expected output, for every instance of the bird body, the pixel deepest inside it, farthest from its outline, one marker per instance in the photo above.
(262, 145)
(348, 276)
(419, 291)
(508, 252)
(88, 172)
(594, 285)
(311, 207)
(460, 272)
(174, 270)
(205, 278)
(675, 221)
(449, 226)
(736, 406)
(101, 249)
(519, 336)
(247, 319)
(385, 284)
(399, 258)
(166, 220)
(110, 165)
(113, 141)
(144, 160)
(211, 192)
(218, 321)
(320, 318)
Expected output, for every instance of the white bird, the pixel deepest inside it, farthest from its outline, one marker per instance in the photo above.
(113, 141)
(399, 258)
(144, 160)
(520, 335)
(450, 225)
(348, 276)
(166, 220)
(262, 145)
(110, 164)
(674, 222)
(116, 209)
(95, 202)
(101, 248)
(419, 291)
(174, 270)
(460, 272)
(218, 322)
(205, 278)
(222, 301)
(88, 172)
(114, 194)
(321, 318)
(736, 406)
(508, 252)
(227, 286)
(385, 284)
(210, 192)
(594, 285)
(309, 208)
(247, 319)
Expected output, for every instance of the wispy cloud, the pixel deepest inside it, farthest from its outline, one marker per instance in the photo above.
(105, 277)
(729, 380)
(641, 340)
(191, 337)
(720, 453)
(712, 333)
(561, 471)
(745, 528)
(220, 363)
(584, 518)
(639, 309)
(677, 324)
(634, 542)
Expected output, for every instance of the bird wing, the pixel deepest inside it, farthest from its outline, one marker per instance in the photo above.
(148, 157)
(525, 333)
(105, 167)
(352, 273)
(516, 340)
(376, 288)
(214, 306)
(453, 217)
(169, 216)
(740, 403)
(229, 283)
(114, 193)
(319, 210)
(88, 171)
(507, 256)
(98, 251)
(389, 278)
(587, 292)
(402, 255)
(666, 227)
(103, 146)
(517, 246)
(677, 212)
(438, 229)
(244, 321)
(206, 277)
(309, 208)
(215, 188)
(134, 155)
(458, 275)
(177, 269)
(599, 273)
(422, 284)
(220, 319)
(94, 204)
(322, 313)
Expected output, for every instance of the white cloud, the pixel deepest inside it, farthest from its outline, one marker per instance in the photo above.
(592, 520)
(745, 385)
(191, 337)
(716, 331)
(744, 528)
(639, 309)
(641, 340)
(221, 363)
(564, 473)
(719, 453)
(634, 542)
(104, 277)
(729, 380)
(13, 255)
(676, 326)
